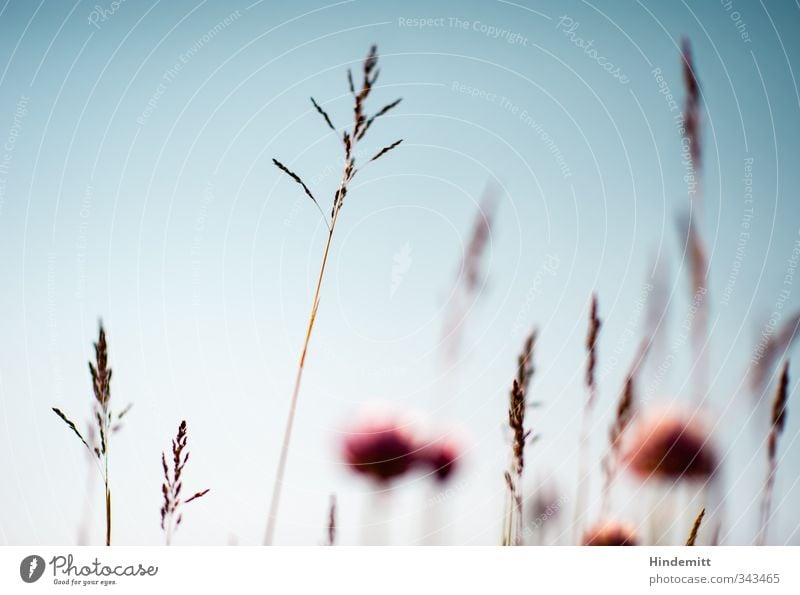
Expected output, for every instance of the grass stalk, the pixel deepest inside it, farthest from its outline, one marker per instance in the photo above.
(625, 410)
(287, 433)
(776, 429)
(695, 528)
(350, 139)
(517, 406)
(107, 424)
(588, 408)
(171, 509)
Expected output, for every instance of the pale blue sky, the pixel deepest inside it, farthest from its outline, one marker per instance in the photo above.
(146, 196)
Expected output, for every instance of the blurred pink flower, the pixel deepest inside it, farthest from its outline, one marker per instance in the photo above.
(380, 448)
(610, 532)
(441, 457)
(383, 445)
(671, 445)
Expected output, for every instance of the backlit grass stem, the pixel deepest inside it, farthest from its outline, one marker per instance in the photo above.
(350, 138)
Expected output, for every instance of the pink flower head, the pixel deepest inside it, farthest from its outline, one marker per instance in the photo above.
(609, 532)
(381, 448)
(441, 457)
(671, 446)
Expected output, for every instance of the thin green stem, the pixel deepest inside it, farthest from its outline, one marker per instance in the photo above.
(108, 514)
(287, 435)
(105, 479)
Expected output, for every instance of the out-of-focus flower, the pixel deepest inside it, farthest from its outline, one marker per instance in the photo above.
(383, 444)
(382, 448)
(441, 457)
(610, 532)
(671, 445)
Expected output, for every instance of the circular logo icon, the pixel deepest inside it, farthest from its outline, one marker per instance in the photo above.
(31, 569)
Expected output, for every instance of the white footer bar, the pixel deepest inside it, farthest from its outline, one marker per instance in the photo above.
(401, 570)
